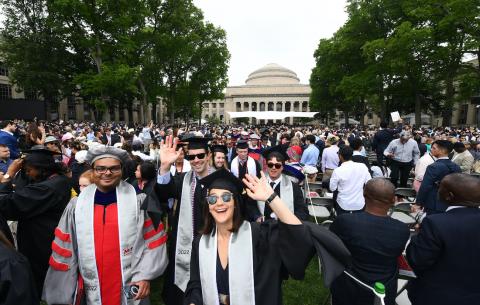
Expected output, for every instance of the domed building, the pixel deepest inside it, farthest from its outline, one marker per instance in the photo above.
(270, 88)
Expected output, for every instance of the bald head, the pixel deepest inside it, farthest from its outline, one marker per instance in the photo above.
(379, 191)
(460, 189)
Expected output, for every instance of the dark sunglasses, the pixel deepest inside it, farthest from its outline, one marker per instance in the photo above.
(277, 165)
(212, 199)
(192, 157)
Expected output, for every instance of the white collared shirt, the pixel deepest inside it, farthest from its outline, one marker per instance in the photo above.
(349, 179)
(277, 181)
(452, 207)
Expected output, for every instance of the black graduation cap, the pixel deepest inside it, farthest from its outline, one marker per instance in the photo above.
(195, 142)
(242, 144)
(40, 156)
(264, 130)
(219, 148)
(278, 148)
(223, 179)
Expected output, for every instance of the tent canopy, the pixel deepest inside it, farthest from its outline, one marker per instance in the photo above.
(271, 115)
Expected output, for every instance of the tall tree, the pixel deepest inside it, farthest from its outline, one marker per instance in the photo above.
(191, 55)
(35, 52)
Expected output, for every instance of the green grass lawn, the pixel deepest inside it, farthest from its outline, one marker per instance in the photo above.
(310, 291)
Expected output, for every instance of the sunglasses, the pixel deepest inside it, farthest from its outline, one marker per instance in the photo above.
(192, 157)
(212, 199)
(277, 165)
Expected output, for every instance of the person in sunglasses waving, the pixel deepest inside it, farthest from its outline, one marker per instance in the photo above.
(242, 263)
(187, 218)
(289, 191)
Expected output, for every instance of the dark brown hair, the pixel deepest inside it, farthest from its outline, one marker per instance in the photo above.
(209, 224)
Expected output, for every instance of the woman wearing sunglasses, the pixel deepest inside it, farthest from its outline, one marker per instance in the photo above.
(237, 262)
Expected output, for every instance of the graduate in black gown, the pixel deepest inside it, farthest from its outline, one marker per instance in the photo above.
(37, 207)
(237, 262)
(16, 280)
(187, 217)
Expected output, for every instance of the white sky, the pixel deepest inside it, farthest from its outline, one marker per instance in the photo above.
(268, 31)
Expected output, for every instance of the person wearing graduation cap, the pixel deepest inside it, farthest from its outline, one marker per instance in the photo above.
(187, 217)
(244, 164)
(219, 157)
(106, 243)
(237, 262)
(289, 191)
(37, 206)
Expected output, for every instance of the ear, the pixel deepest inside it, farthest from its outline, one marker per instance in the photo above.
(450, 197)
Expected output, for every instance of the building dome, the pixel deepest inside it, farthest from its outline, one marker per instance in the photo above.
(272, 74)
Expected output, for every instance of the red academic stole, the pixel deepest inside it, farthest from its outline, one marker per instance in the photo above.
(107, 253)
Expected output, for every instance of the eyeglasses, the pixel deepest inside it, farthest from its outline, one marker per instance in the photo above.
(192, 157)
(277, 165)
(212, 199)
(103, 169)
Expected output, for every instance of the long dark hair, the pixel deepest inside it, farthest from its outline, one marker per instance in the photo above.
(209, 224)
(48, 169)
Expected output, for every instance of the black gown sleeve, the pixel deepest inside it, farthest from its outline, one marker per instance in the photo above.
(299, 205)
(296, 249)
(16, 284)
(26, 202)
(171, 189)
(193, 293)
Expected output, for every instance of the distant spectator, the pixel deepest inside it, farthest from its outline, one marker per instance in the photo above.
(462, 157)
(382, 138)
(5, 159)
(357, 146)
(7, 137)
(404, 154)
(347, 182)
(427, 194)
(379, 170)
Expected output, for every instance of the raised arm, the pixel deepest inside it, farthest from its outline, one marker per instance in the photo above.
(259, 189)
(168, 154)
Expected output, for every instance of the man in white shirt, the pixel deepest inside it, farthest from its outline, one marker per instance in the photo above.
(421, 168)
(347, 182)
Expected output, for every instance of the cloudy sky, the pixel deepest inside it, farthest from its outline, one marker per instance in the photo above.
(268, 31)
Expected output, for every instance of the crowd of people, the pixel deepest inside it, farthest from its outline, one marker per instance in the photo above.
(91, 213)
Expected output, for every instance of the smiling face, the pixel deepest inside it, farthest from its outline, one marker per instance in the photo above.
(273, 172)
(107, 173)
(200, 166)
(221, 211)
(219, 159)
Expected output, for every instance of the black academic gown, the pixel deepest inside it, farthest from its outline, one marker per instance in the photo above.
(172, 295)
(5, 229)
(279, 251)
(37, 207)
(299, 205)
(16, 280)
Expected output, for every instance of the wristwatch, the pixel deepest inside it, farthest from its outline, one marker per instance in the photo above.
(270, 199)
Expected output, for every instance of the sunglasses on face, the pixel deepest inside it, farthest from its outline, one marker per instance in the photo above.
(212, 199)
(192, 157)
(277, 165)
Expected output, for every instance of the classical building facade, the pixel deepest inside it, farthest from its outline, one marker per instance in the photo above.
(270, 88)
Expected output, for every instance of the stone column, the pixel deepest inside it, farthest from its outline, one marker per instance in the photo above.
(125, 114)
